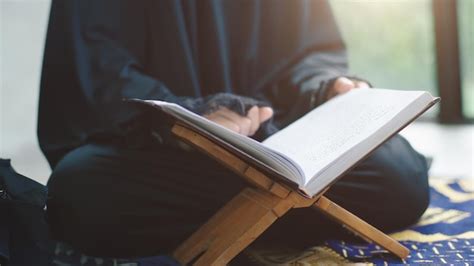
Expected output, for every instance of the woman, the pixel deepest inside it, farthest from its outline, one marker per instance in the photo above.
(252, 66)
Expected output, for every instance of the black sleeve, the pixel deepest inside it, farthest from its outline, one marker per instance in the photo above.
(111, 60)
(302, 86)
(95, 55)
(314, 73)
(110, 43)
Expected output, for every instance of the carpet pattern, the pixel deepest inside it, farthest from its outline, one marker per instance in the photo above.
(444, 235)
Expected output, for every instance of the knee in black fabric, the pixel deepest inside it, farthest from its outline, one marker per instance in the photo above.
(389, 189)
(87, 193)
(110, 201)
(406, 180)
(68, 198)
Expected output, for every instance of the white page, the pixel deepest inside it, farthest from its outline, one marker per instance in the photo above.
(351, 157)
(272, 159)
(326, 133)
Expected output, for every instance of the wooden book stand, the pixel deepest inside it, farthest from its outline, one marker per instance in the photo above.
(253, 210)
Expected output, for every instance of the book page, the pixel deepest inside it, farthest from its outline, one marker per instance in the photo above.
(317, 148)
(254, 150)
(319, 138)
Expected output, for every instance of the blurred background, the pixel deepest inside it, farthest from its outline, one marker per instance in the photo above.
(400, 44)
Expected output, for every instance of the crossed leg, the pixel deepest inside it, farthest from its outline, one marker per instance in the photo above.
(108, 200)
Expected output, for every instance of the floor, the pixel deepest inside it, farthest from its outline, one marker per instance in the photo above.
(450, 146)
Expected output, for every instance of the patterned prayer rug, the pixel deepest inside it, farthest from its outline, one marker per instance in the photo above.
(444, 235)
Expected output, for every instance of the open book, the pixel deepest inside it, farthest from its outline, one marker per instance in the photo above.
(312, 152)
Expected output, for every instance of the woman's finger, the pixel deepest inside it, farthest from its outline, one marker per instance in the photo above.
(265, 113)
(243, 122)
(343, 85)
(254, 115)
(245, 125)
(223, 121)
(361, 85)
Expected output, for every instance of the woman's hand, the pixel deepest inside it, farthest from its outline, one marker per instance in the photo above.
(343, 85)
(245, 125)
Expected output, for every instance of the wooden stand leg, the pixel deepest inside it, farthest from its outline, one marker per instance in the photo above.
(233, 228)
(360, 227)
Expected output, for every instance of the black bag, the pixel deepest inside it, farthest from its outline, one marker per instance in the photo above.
(24, 236)
(24, 233)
